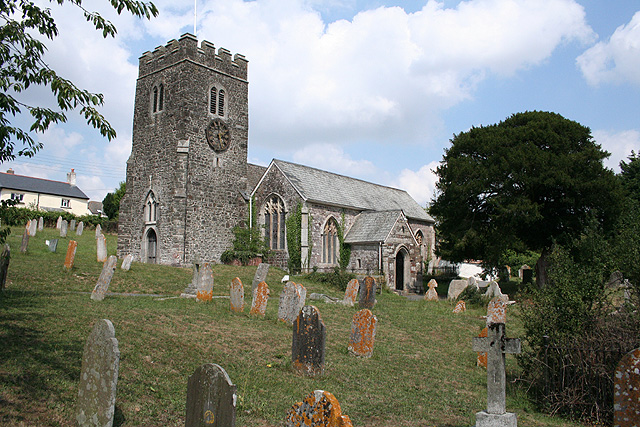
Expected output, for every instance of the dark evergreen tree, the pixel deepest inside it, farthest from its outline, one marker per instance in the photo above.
(111, 202)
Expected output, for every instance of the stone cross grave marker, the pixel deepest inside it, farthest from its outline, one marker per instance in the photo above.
(292, 300)
(104, 280)
(101, 248)
(432, 294)
(80, 229)
(496, 345)
(25, 241)
(72, 225)
(33, 227)
(98, 377)
(260, 298)
(204, 290)
(367, 293)
(308, 344)
(59, 222)
(211, 398)
(318, 409)
(236, 295)
(126, 262)
(460, 307)
(351, 294)
(5, 257)
(64, 226)
(98, 230)
(71, 254)
(260, 276)
(53, 245)
(363, 333)
(626, 391)
(40, 224)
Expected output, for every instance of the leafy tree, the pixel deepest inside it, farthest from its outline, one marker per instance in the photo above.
(523, 184)
(24, 27)
(630, 176)
(111, 202)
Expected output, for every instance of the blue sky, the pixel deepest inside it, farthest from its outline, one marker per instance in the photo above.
(370, 89)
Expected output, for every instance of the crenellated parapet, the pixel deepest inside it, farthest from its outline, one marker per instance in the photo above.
(186, 49)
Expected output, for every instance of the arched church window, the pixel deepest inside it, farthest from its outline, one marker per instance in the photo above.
(217, 99)
(213, 101)
(150, 208)
(221, 102)
(274, 223)
(161, 98)
(330, 242)
(158, 98)
(419, 237)
(155, 99)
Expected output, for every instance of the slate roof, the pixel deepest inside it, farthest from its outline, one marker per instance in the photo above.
(39, 185)
(324, 187)
(372, 227)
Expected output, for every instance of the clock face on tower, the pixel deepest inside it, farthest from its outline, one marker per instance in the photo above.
(218, 135)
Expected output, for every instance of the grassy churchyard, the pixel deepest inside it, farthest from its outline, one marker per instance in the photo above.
(422, 373)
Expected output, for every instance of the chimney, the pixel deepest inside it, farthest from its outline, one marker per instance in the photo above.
(71, 177)
(10, 171)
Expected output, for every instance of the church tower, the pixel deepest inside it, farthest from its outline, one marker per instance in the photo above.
(186, 182)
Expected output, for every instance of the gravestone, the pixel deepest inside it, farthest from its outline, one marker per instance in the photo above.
(318, 409)
(521, 270)
(63, 228)
(432, 294)
(98, 230)
(72, 225)
(5, 257)
(260, 298)
(101, 248)
(482, 355)
(626, 391)
(126, 262)
(302, 291)
(204, 290)
(80, 229)
(33, 227)
(527, 276)
(496, 345)
(98, 377)
(25, 241)
(190, 290)
(59, 222)
(104, 280)
(367, 293)
(497, 311)
(493, 290)
(456, 287)
(211, 398)
(363, 333)
(53, 245)
(260, 276)
(351, 294)
(291, 302)
(236, 294)
(460, 307)
(308, 344)
(71, 254)
(40, 224)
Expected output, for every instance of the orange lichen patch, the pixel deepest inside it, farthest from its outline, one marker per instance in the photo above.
(482, 356)
(460, 307)
(351, 294)
(318, 409)
(204, 296)
(626, 391)
(236, 294)
(259, 304)
(363, 333)
(71, 254)
(496, 311)
(431, 294)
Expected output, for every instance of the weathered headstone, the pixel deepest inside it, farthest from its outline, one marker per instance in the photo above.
(626, 391)
(363, 333)
(291, 302)
(33, 227)
(527, 276)
(80, 229)
(53, 245)
(25, 241)
(211, 398)
(494, 290)
(204, 291)
(302, 291)
(101, 248)
(460, 307)
(522, 269)
(367, 293)
(126, 262)
(482, 355)
(351, 294)
(456, 287)
(72, 225)
(496, 345)
(40, 224)
(59, 222)
(236, 294)
(318, 409)
(432, 294)
(190, 290)
(104, 280)
(98, 230)
(71, 254)
(5, 257)
(497, 311)
(260, 298)
(260, 276)
(309, 340)
(98, 377)
(63, 228)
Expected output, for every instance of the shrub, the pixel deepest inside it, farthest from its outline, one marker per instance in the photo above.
(473, 297)
(338, 279)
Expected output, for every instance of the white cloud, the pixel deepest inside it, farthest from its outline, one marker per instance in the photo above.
(616, 60)
(619, 144)
(333, 158)
(420, 184)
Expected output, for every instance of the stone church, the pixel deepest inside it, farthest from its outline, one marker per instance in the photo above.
(189, 182)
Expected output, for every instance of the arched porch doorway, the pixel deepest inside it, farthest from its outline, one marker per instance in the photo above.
(401, 267)
(151, 246)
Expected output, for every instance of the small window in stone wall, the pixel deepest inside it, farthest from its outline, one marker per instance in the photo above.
(150, 208)
(274, 223)
(217, 101)
(157, 104)
(330, 242)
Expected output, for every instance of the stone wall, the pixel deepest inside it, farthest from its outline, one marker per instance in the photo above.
(320, 214)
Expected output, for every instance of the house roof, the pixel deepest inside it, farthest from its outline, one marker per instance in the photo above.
(324, 187)
(372, 226)
(39, 185)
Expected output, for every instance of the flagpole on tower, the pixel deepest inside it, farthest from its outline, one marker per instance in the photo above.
(195, 16)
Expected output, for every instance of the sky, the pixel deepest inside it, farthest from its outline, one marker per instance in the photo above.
(373, 89)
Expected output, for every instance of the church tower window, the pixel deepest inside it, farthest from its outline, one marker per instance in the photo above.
(158, 98)
(274, 223)
(217, 101)
(330, 242)
(150, 208)
(213, 103)
(155, 99)
(161, 98)
(221, 102)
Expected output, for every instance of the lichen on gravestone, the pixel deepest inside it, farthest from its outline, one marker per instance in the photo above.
(309, 342)
(363, 333)
(318, 409)
(367, 293)
(260, 299)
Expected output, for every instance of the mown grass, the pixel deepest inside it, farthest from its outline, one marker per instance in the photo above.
(422, 372)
